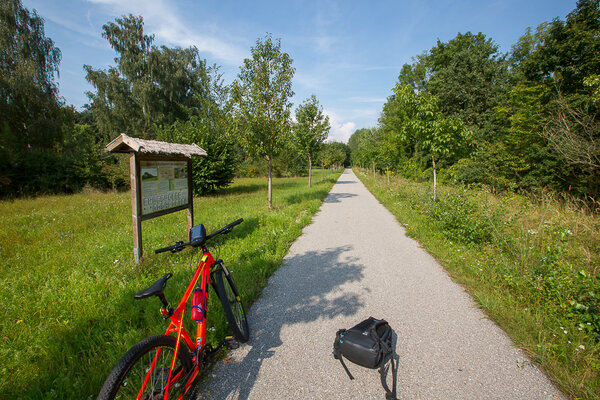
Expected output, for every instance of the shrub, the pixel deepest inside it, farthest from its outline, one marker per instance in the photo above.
(461, 217)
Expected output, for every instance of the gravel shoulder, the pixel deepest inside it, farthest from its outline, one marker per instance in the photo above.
(352, 262)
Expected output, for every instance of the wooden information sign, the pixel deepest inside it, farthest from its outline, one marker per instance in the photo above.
(161, 180)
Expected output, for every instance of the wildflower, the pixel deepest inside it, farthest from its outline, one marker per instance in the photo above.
(582, 347)
(565, 332)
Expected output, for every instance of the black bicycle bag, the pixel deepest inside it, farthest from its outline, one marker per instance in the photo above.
(368, 344)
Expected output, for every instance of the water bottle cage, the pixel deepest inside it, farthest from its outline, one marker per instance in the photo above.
(200, 312)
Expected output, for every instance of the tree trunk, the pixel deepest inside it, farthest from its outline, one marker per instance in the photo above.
(434, 178)
(309, 170)
(270, 196)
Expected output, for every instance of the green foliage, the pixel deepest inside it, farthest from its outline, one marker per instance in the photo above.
(362, 147)
(31, 119)
(461, 218)
(468, 77)
(568, 50)
(260, 98)
(149, 86)
(217, 169)
(30, 115)
(523, 121)
(310, 130)
(334, 155)
(312, 126)
(209, 129)
(556, 280)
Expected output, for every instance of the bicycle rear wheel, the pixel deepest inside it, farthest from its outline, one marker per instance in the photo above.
(232, 305)
(127, 377)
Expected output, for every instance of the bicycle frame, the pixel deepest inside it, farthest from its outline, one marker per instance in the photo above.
(176, 325)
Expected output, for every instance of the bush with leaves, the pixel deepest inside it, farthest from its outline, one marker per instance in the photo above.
(217, 169)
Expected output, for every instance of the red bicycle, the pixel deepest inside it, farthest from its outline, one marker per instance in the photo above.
(160, 366)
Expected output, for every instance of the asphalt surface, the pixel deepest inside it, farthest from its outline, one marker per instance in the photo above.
(352, 262)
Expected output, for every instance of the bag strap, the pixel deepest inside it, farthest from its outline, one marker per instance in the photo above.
(341, 358)
(387, 350)
(337, 354)
(389, 394)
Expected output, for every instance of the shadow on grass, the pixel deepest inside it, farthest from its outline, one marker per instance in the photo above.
(240, 189)
(317, 194)
(305, 289)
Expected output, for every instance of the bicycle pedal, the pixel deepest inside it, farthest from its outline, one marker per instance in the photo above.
(231, 343)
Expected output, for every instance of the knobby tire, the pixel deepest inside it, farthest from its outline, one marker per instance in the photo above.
(127, 377)
(232, 305)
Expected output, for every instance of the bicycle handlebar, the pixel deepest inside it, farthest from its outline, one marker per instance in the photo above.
(181, 245)
(226, 229)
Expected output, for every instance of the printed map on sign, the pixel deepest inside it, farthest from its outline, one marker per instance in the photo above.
(164, 185)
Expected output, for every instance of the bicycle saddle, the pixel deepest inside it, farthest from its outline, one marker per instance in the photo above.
(154, 290)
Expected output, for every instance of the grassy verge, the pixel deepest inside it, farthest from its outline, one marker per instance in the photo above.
(534, 267)
(67, 276)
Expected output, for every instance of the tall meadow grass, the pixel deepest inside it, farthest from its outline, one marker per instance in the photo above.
(67, 275)
(533, 264)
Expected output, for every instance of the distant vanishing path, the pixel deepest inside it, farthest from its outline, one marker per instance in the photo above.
(352, 262)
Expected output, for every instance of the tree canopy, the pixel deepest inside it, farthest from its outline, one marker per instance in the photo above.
(30, 109)
(148, 85)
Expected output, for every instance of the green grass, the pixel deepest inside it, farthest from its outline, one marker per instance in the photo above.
(532, 264)
(67, 275)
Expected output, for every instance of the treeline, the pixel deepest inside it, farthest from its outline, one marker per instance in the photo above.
(152, 92)
(527, 120)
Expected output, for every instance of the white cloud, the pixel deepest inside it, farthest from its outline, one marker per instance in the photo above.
(361, 99)
(161, 18)
(340, 130)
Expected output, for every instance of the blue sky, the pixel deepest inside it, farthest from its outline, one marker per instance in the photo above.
(347, 53)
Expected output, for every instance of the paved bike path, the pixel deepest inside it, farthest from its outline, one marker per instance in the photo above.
(352, 262)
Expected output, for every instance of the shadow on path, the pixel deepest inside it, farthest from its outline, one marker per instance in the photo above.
(337, 197)
(304, 289)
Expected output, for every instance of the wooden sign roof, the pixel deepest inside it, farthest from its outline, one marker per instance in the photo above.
(126, 144)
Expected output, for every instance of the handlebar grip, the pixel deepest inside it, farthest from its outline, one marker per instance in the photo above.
(234, 223)
(158, 251)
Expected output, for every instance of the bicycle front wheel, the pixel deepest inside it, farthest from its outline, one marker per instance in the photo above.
(232, 305)
(144, 370)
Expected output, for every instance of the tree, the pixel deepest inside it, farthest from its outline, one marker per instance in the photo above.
(148, 86)
(30, 110)
(260, 100)
(217, 169)
(334, 155)
(567, 50)
(574, 133)
(311, 130)
(210, 130)
(426, 126)
(362, 147)
(468, 75)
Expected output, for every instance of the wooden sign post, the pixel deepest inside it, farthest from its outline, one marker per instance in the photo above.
(161, 180)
